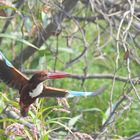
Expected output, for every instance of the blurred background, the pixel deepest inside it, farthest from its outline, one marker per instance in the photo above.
(97, 41)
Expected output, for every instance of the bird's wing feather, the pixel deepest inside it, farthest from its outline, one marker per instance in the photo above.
(55, 92)
(10, 75)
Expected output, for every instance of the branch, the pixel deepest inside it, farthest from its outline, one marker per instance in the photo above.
(88, 19)
(68, 64)
(12, 114)
(112, 113)
(99, 76)
(89, 76)
(134, 137)
(8, 21)
(45, 34)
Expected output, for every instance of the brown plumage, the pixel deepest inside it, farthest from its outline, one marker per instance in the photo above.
(33, 88)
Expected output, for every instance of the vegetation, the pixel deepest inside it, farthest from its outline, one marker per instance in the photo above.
(98, 43)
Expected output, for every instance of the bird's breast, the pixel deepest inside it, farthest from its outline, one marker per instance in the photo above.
(37, 90)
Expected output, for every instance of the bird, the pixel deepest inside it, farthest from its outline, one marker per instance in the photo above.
(32, 88)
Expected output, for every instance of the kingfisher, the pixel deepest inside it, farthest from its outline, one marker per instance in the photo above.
(33, 88)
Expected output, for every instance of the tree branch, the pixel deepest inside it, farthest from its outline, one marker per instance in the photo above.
(89, 76)
(8, 21)
(134, 137)
(45, 34)
(13, 115)
(118, 103)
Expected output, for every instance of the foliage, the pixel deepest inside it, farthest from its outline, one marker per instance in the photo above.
(98, 42)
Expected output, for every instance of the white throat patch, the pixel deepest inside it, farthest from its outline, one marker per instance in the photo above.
(37, 90)
(0, 57)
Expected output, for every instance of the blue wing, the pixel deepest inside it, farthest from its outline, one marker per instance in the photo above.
(56, 92)
(79, 93)
(10, 75)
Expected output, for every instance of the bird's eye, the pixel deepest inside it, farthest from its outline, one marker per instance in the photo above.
(43, 75)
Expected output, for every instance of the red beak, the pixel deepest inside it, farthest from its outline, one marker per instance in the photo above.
(55, 75)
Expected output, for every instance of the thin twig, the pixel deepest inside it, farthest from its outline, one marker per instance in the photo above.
(89, 76)
(49, 31)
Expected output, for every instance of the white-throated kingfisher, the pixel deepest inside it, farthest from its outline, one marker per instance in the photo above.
(33, 88)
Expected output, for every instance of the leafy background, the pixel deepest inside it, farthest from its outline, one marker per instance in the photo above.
(98, 39)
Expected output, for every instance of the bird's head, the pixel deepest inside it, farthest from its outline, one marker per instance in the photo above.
(44, 75)
(27, 99)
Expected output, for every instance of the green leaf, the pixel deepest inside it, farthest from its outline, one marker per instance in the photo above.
(18, 39)
(46, 137)
(108, 113)
(68, 50)
(73, 120)
(44, 17)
